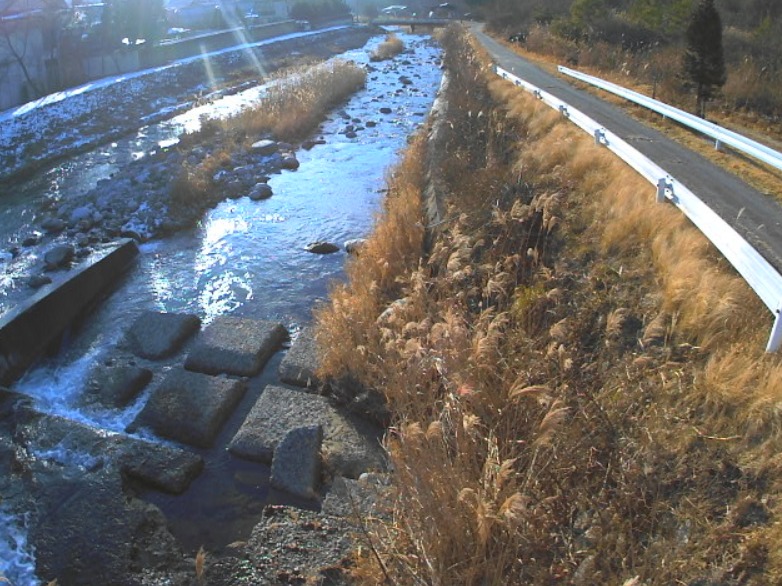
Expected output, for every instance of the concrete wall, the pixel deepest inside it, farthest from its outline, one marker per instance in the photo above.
(170, 51)
(27, 331)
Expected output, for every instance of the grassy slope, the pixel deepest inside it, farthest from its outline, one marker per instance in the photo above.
(577, 379)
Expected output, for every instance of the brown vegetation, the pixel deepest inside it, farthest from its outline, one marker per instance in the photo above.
(577, 379)
(290, 110)
(388, 49)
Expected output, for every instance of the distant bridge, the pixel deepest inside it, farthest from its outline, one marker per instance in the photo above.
(412, 22)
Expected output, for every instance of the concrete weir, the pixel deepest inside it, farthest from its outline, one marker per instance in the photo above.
(29, 329)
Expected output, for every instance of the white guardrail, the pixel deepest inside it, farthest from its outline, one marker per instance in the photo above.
(720, 135)
(756, 270)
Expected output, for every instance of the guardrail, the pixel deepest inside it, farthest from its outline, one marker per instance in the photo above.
(756, 270)
(718, 133)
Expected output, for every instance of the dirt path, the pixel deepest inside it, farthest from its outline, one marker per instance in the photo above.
(754, 215)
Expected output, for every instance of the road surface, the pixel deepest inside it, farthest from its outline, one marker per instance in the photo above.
(757, 217)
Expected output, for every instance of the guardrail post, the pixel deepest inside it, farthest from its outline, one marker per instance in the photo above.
(563, 111)
(537, 94)
(717, 144)
(600, 136)
(775, 339)
(662, 186)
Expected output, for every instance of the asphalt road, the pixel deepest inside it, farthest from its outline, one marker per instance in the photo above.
(757, 217)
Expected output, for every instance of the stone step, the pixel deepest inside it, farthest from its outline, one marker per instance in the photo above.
(351, 445)
(301, 362)
(235, 345)
(190, 407)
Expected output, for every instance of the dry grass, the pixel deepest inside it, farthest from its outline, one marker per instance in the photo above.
(577, 380)
(289, 111)
(293, 108)
(388, 49)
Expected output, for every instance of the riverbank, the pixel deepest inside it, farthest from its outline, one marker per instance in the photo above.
(82, 118)
(577, 387)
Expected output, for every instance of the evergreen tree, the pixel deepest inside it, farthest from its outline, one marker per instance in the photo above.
(704, 61)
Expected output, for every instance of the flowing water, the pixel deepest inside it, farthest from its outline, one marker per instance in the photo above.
(244, 258)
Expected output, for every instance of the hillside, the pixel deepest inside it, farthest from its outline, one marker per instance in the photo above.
(576, 380)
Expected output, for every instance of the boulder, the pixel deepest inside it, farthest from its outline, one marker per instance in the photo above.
(385, 110)
(235, 345)
(289, 162)
(38, 281)
(354, 246)
(351, 446)
(190, 407)
(53, 225)
(156, 335)
(321, 247)
(301, 361)
(260, 191)
(116, 386)
(59, 257)
(296, 462)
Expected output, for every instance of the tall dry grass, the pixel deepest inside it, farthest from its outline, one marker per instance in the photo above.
(289, 111)
(294, 106)
(577, 380)
(388, 49)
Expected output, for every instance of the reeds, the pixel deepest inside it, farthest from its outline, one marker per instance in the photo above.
(578, 386)
(388, 49)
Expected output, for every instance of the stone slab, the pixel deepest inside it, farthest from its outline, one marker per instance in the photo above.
(116, 386)
(235, 345)
(190, 407)
(301, 361)
(351, 446)
(296, 462)
(155, 335)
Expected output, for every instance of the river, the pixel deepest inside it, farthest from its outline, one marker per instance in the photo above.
(244, 258)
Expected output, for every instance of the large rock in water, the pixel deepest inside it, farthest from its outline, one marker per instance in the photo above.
(190, 407)
(350, 445)
(300, 363)
(296, 462)
(157, 335)
(162, 467)
(321, 247)
(235, 345)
